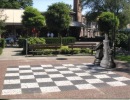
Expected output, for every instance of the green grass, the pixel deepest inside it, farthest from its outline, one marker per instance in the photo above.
(123, 58)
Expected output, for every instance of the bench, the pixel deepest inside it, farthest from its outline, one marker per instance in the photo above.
(82, 45)
(36, 48)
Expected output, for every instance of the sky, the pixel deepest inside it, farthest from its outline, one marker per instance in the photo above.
(42, 5)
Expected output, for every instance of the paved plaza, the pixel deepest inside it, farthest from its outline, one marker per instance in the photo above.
(62, 77)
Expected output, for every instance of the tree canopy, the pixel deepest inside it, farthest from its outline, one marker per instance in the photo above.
(121, 8)
(32, 18)
(2, 22)
(58, 17)
(15, 4)
(107, 21)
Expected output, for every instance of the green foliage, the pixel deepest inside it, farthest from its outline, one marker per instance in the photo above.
(58, 17)
(56, 40)
(121, 8)
(107, 21)
(85, 50)
(1, 50)
(123, 58)
(35, 40)
(2, 43)
(76, 51)
(122, 40)
(2, 22)
(15, 4)
(65, 50)
(32, 18)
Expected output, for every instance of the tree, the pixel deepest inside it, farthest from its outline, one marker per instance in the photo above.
(57, 17)
(107, 21)
(33, 19)
(2, 22)
(121, 8)
(15, 4)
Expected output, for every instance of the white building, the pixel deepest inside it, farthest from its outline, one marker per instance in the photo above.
(13, 20)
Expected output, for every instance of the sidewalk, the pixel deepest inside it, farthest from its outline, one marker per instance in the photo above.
(60, 77)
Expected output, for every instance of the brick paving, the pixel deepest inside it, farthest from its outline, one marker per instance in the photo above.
(111, 92)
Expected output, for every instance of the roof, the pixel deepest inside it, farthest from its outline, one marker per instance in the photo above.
(14, 16)
(77, 24)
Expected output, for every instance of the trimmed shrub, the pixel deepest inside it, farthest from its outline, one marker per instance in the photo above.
(1, 50)
(2, 43)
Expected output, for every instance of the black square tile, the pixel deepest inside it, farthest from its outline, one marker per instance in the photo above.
(11, 77)
(28, 81)
(46, 84)
(67, 88)
(75, 82)
(12, 86)
(100, 85)
(59, 79)
(108, 79)
(41, 76)
(31, 90)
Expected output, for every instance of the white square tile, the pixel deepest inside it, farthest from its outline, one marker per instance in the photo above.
(66, 72)
(55, 75)
(25, 71)
(81, 66)
(11, 91)
(83, 74)
(85, 86)
(87, 63)
(110, 72)
(63, 83)
(102, 76)
(44, 80)
(60, 67)
(36, 68)
(67, 64)
(13, 81)
(50, 89)
(27, 77)
(74, 78)
(12, 69)
(29, 85)
(122, 78)
(74, 69)
(39, 73)
(46, 65)
(12, 74)
(24, 66)
(94, 81)
(51, 70)
(116, 83)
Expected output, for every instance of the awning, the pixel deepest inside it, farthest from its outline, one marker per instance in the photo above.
(77, 24)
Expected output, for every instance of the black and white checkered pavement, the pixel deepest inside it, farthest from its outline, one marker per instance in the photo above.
(56, 78)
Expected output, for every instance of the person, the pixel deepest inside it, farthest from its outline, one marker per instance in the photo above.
(52, 35)
(48, 34)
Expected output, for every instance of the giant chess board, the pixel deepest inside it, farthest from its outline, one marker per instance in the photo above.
(57, 78)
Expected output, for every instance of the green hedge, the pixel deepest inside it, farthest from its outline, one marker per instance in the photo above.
(21, 42)
(2, 43)
(57, 40)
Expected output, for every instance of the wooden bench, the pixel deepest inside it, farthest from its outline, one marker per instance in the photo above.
(82, 45)
(36, 48)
